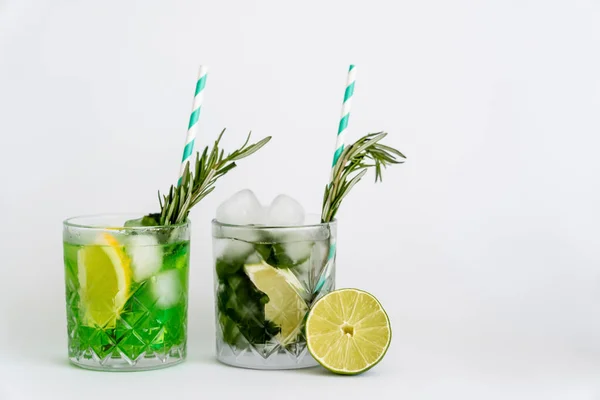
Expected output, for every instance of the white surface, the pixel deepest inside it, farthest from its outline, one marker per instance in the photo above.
(483, 247)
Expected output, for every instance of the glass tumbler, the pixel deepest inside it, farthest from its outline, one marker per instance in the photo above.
(126, 292)
(266, 280)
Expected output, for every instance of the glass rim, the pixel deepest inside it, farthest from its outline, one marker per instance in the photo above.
(273, 227)
(71, 222)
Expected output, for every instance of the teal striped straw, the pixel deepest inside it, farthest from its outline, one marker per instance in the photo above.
(339, 148)
(193, 124)
(343, 127)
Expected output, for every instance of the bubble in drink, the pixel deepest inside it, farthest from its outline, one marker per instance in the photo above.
(243, 208)
(285, 211)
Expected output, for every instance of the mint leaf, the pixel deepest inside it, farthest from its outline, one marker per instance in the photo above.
(241, 309)
(146, 220)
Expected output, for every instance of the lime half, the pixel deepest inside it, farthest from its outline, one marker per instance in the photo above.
(348, 331)
(104, 275)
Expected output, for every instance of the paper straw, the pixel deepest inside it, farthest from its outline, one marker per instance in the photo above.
(339, 148)
(193, 124)
(343, 127)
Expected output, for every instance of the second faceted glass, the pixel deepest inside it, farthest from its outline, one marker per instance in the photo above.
(126, 290)
(266, 280)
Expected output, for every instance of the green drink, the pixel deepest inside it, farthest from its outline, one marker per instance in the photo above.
(126, 291)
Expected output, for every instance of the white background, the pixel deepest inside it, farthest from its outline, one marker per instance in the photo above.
(483, 247)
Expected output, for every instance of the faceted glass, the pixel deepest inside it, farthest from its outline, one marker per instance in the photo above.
(126, 292)
(266, 280)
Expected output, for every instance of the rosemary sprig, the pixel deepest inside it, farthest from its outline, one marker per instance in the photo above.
(354, 161)
(195, 185)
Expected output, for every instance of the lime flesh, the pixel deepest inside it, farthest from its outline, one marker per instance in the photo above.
(286, 307)
(348, 331)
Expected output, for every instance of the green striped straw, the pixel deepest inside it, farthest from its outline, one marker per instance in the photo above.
(193, 124)
(343, 127)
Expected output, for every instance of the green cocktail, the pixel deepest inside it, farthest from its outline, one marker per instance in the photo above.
(126, 291)
(127, 276)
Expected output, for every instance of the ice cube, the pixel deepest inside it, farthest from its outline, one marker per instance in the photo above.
(321, 251)
(146, 256)
(167, 288)
(254, 258)
(232, 250)
(298, 252)
(285, 211)
(243, 208)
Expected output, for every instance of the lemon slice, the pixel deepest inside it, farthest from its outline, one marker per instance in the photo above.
(285, 308)
(348, 331)
(104, 275)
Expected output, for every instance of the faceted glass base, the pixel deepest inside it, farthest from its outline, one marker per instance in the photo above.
(142, 363)
(249, 359)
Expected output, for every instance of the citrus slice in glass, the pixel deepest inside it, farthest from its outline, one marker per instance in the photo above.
(104, 275)
(285, 308)
(348, 331)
